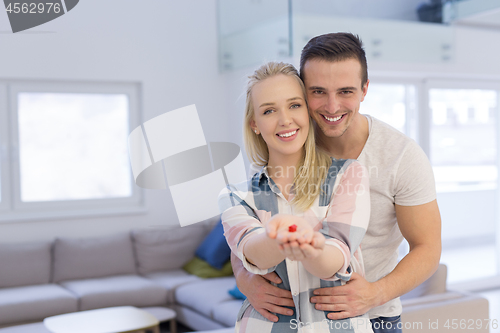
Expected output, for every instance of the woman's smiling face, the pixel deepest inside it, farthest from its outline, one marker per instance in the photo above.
(280, 116)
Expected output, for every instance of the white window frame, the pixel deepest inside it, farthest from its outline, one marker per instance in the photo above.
(459, 84)
(5, 187)
(468, 83)
(15, 209)
(422, 124)
(412, 127)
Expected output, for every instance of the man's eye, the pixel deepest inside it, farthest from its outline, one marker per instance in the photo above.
(317, 92)
(346, 92)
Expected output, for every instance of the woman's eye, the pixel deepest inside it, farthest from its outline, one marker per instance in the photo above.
(268, 111)
(294, 106)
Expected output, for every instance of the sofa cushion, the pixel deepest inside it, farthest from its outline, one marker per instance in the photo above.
(31, 303)
(226, 312)
(116, 291)
(81, 258)
(195, 320)
(205, 295)
(236, 293)
(214, 249)
(170, 280)
(436, 284)
(163, 249)
(25, 264)
(444, 308)
(203, 269)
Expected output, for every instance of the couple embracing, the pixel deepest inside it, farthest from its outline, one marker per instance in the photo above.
(315, 241)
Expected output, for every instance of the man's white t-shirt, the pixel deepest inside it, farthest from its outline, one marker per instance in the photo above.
(400, 173)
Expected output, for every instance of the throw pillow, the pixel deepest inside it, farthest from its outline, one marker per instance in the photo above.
(214, 248)
(236, 293)
(202, 269)
(162, 249)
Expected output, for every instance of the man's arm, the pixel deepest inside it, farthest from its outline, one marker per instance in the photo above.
(421, 226)
(263, 296)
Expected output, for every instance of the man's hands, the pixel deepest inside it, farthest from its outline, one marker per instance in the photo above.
(303, 243)
(265, 297)
(354, 298)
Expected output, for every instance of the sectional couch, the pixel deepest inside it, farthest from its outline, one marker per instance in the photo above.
(143, 268)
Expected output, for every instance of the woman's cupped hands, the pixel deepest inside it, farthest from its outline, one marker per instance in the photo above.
(295, 237)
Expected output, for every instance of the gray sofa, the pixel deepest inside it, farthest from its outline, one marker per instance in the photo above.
(143, 268)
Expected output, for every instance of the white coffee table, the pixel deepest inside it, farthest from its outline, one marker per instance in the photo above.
(108, 320)
(163, 314)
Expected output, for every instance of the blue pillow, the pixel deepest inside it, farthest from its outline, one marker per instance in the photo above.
(236, 293)
(214, 248)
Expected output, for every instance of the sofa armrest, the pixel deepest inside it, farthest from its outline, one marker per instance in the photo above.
(446, 312)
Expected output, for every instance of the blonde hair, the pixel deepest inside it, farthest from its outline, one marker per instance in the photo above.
(313, 167)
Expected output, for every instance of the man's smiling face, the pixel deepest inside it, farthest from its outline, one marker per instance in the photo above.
(334, 93)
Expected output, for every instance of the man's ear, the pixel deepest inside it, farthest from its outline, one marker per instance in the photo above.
(365, 90)
(254, 127)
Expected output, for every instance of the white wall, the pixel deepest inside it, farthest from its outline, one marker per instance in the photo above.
(380, 9)
(170, 47)
(476, 56)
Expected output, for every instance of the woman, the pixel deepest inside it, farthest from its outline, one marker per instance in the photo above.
(303, 215)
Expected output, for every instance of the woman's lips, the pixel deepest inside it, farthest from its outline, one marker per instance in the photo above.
(287, 135)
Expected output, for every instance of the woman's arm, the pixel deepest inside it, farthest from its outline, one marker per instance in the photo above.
(326, 264)
(344, 226)
(269, 249)
(245, 234)
(262, 251)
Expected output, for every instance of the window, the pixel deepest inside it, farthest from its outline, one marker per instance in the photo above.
(4, 162)
(455, 122)
(463, 131)
(463, 138)
(393, 103)
(67, 149)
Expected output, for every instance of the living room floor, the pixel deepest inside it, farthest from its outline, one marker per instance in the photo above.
(165, 328)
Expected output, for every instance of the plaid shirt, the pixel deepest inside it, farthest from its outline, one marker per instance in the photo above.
(341, 213)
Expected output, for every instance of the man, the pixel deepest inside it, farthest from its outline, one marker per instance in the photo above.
(403, 198)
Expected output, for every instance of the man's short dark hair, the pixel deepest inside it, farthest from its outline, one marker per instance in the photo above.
(335, 47)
